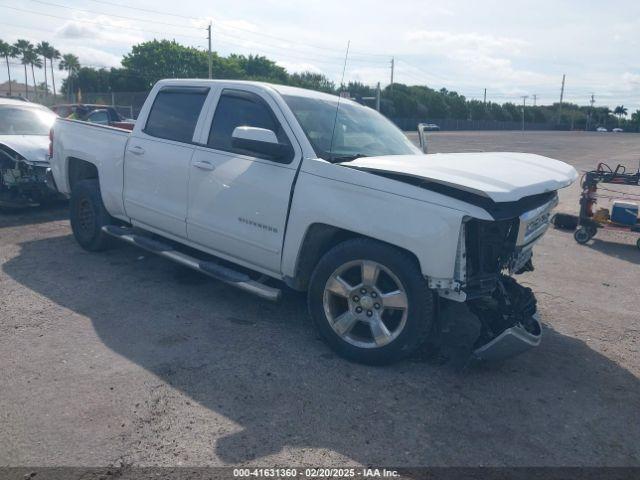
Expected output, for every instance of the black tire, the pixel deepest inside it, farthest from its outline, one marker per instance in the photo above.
(593, 230)
(638, 244)
(582, 235)
(88, 216)
(420, 313)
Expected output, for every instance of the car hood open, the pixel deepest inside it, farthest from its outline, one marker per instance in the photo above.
(34, 148)
(500, 176)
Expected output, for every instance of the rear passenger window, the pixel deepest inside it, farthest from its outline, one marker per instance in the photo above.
(175, 112)
(241, 109)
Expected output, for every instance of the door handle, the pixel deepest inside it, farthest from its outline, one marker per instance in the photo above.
(136, 150)
(204, 165)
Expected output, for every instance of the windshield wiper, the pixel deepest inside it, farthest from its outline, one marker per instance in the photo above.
(345, 158)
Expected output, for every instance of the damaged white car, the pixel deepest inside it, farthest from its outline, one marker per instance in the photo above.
(24, 153)
(255, 184)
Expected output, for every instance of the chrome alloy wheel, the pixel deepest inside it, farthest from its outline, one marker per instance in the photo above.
(365, 304)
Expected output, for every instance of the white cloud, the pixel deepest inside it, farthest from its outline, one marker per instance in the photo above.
(97, 34)
(90, 56)
(444, 42)
(292, 66)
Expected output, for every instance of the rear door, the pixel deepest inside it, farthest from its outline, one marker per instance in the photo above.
(157, 160)
(238, 202)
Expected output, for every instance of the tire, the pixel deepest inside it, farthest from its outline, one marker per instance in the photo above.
(399, 298)
(638, 244)
(88, 216)
(582, 235)
(592, 230)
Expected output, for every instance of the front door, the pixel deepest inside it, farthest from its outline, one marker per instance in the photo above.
(157, 161)
(238, 203)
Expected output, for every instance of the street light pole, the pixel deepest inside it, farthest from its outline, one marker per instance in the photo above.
(210, 54)
(524, 101)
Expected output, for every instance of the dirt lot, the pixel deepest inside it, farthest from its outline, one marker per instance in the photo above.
(125, 358)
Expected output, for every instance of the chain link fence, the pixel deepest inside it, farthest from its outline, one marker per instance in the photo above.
(129, 105)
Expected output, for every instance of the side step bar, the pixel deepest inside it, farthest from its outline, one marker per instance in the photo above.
(219, 272)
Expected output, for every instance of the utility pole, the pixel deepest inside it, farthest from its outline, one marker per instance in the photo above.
(210, 53)
(484, 100)
(392, 67)
(535, 98)
(378, 97)
(591, 102)
(561, 97)
(524, 101)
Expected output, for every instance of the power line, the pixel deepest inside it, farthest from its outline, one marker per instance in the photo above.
(145, 20)
(98, 23)
(336, 59)
(246, 30)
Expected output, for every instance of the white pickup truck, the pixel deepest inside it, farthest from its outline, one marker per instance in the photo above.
(273, 185)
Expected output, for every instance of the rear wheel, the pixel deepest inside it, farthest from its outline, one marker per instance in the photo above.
(88, 215)
(370, 302)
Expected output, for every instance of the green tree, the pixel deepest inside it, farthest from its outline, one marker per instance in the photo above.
(312, 81)
(43, 49)
(70, 64)
(620, 111)
(34, 61)
(157, 59)
(257, 67)
(22, 48)
(7, 51)
(53, 55)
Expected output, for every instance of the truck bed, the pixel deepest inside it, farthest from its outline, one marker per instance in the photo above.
(101, 145)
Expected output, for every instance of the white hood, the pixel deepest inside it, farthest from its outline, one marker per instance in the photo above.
(501, 176)
(34, 148)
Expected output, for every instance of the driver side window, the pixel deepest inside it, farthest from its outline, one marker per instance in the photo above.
(241, 109)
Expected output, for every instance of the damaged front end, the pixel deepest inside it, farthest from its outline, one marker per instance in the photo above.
(22, 183)
(501, 314)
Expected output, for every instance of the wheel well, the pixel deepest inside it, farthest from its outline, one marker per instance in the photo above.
(319, 239)
(80, 170)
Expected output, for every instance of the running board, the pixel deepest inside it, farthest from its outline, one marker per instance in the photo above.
(215, 270)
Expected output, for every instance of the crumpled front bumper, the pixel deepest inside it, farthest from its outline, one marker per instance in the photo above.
(513, 341)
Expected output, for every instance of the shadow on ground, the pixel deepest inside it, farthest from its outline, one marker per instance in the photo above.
(623, 251)
(55, 210)
(261, 366)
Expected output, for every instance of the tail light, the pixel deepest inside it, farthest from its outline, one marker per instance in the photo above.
(51, 143)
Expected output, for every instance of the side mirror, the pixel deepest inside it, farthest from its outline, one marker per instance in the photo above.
(422, 137)
(259, 141)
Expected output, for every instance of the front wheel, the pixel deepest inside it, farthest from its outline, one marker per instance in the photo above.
(370, 302)
(582, 235)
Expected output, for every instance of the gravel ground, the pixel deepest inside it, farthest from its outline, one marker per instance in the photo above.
(124, 358)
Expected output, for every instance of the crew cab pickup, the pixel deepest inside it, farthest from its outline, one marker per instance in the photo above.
(262, 186)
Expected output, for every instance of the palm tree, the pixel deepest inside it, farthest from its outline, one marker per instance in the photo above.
(71, 64)
(52, 55)
(6, 51)
(34, 61)
(620, 111)
(23, 47)
(43, 49)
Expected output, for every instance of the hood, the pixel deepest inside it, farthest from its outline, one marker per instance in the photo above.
(499, 176)
(34, 148)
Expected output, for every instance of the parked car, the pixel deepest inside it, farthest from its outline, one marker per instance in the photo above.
(252, 184)
(617, 130)
(429, 127)
(100, 114)
(24, 149)
(601, 129)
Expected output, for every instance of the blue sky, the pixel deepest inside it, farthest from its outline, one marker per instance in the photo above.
(512, 48)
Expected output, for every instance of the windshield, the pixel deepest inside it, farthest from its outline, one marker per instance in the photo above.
(359, 131)
(25, 121)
